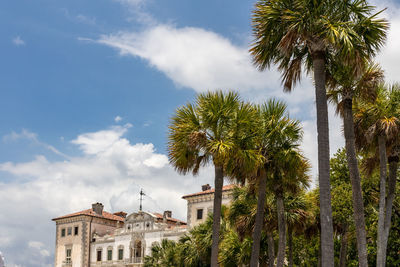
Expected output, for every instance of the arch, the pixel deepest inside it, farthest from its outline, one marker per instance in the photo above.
(137, 251)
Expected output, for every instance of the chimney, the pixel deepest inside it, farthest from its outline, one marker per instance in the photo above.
(121, 214)
(98, 208)
(205, 187)
(167, 214)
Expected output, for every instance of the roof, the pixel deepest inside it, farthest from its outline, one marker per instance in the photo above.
(90, 212)
(211, 191)
(169, 219)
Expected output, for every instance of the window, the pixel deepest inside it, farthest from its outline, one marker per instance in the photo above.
(99, 255)
(63, 232)
(120, 253)
(69, 231)
(199, 214)
(76, 230)
(109, 254)
(68, 254)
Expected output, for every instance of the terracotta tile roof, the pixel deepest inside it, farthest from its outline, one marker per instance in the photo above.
(211, 191)
(90, 212)
(169, 220)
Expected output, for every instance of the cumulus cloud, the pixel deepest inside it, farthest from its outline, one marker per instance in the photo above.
(39, 246)
(110, 169)
(18, 41)
(192, 57)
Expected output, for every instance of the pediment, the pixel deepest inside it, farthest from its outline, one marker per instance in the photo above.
(139, 217)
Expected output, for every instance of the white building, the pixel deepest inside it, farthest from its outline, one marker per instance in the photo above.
(128, 245)
(97, 238)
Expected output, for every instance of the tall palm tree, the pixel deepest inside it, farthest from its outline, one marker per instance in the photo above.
(214, 130)
(298, 216)
(346, 85)
(291, 33)
(243, 212)
(377, 125)
(279, 136)
(290, 176)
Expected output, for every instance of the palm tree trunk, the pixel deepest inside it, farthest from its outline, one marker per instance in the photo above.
(393, 167)
(343, 246)
(255, 248)
(271, 249)
(218, 183)
(281, 229)
(380, 260)
(327, 250)
(319, 263)
(358, 204)
(290, 245)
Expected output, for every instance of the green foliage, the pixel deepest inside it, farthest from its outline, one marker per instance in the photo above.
(290, 32)
(216, 129)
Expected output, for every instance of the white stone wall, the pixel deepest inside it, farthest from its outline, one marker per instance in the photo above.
(205, 202)
(115, 243)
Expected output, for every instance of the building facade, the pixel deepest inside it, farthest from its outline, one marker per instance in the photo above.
(94, 237)
(200, 204)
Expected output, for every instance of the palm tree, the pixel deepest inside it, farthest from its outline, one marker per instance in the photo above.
(278, 137)
(292, 177)
(214, 130)
(377, 125)
(291, 33)
(298, 215)
(163, 255)
(243, 212)
(346, 85)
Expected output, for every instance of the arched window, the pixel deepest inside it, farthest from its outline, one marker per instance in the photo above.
(137, 252)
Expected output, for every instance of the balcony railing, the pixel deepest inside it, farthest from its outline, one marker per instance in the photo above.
(67, 263)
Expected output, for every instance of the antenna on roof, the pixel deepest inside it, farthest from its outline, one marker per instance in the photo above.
(141, 198)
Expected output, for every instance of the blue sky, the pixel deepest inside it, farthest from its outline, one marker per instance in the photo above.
(88, 87)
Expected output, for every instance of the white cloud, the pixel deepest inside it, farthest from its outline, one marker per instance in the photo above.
(28, 135)
(110, 170)
(39, 246)
(18, 41)
(136, 8)
(24, 134)
(118, 119)
(35, 244)
(133, 3)
(80, 18)
(93, 143)
(390, 55)
(193, 58)
(85, 19)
